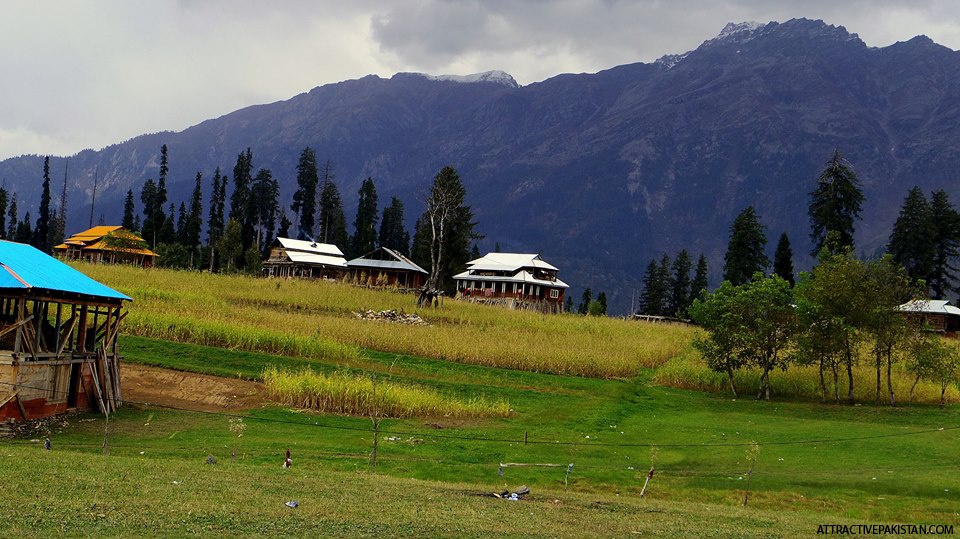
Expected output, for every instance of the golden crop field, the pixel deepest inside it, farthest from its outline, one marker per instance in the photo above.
(316, 319)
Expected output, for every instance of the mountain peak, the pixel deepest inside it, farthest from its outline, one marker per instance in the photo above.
(495, 76)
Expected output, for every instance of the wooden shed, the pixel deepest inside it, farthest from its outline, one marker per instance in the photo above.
(301, 258)
(386, 267)
(936, 314)
(107, 244)
(58, 337)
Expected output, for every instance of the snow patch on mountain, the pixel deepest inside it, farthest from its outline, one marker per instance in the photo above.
(495, 76)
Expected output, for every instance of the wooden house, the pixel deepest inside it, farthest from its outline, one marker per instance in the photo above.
(386, 267)
(937, 314)
(107, 244)
(301, 258)
(518, 281)
(58, 337)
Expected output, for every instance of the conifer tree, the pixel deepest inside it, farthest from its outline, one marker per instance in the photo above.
(450, 223)
(699, 283)
(41, 240)
(24, 233)
(285, 224)
(168, 232)
(364, 237)
(474, 252)
(160, 199)
(13, 218)
(392, 234)
(128, 211)
(150, 228)
(420, 248)
(194, 219)
(745, 250)
(912, 240)
(680, 285)
(215, 218)
(265, 193)
(602, 304)
(835, 206)
(783, 260)
(656, 288)
(305, 198)
(332, 223)
(585, 300)
(182, 225)
(3, 212)
(946, 240)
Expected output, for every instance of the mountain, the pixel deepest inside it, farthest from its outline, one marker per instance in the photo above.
(598, 172)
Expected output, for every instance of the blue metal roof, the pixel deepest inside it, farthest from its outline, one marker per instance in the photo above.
(24, 267)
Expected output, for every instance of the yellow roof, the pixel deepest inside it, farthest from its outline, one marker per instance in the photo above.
(92, 239)
(94, 233)
(100, 246)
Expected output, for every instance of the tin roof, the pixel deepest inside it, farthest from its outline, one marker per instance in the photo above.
(399, 261)
(304, 246)
(930, 306)
(24, 267)
(509, 262)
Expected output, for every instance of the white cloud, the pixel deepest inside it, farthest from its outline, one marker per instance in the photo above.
(88, 74)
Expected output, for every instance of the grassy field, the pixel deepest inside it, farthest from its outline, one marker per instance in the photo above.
(817, 464)
(315, 319)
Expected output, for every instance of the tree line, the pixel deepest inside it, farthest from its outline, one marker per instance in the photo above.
(841, 307)
(242, 222)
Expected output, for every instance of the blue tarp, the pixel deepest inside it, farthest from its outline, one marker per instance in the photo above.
(23, 266)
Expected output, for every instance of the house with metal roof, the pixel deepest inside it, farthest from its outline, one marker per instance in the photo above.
(937, 314)
(384, 267)
(515, 280)
(107, 244)
(301, 258)
(58, 337)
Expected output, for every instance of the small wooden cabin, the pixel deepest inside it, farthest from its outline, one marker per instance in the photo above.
(301, 258)
(107, 244)
(515, 280)
(937, 314)
(386, 267)
(58, 337)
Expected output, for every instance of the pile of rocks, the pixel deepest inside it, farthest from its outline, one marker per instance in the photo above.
(397, 317)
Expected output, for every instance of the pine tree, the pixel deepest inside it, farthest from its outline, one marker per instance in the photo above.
(128, 211)
(585, 300)
(835, 206)
(285, 224)
(181, 233)
(40, 239)
(265, 193)
(946, 240)
(215, 219)
(680, 285)
(699, 283)
(332, 223)
(783, 260)
(568, 307)
(912, 240)
(745, 250)
(602, 303)
(194, 219)
(305, 198)
(474, 252)
(150, 228)
(450, 222)
(364, 237)
(12, 231)
(656, 288)
(3, 212)
(168, 231)
(392, 234)
(160, 199)
(420, 248)
(24, 233)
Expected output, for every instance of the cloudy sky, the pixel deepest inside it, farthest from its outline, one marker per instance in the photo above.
(85, 73)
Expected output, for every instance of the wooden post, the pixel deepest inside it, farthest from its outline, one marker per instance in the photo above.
(82, 334)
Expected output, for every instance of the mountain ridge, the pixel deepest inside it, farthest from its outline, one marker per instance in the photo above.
(599, 172)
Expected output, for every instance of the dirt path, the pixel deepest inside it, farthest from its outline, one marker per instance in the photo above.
(189, 390)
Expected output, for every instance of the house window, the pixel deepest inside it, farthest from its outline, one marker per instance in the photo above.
(554, 294)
